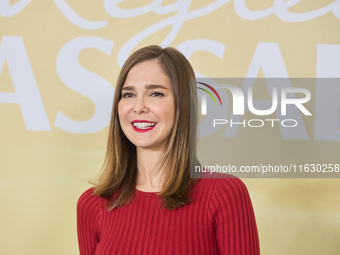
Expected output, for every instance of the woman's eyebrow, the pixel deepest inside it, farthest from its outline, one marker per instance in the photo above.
(150, 86)
(128, 88)
(155, 86)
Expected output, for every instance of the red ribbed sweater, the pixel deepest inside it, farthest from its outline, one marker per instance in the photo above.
(220, 220)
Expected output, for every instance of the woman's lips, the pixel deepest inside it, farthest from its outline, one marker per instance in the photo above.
(143, 126)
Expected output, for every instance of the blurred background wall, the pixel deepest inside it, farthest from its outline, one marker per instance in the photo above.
(59, 61)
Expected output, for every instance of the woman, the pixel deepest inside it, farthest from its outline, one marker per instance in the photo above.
(144, 201)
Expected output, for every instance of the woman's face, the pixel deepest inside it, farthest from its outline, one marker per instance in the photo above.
(146, 109)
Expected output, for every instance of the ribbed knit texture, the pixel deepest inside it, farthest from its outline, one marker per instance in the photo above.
(220, 220)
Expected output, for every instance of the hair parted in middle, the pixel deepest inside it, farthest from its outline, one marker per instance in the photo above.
(119, 172)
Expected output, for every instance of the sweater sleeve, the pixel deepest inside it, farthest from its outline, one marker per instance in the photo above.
(88, 218)
(232, 214)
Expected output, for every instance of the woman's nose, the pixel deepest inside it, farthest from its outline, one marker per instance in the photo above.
(140, 105)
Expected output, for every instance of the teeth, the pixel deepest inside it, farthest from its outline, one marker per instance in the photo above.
(144, 125)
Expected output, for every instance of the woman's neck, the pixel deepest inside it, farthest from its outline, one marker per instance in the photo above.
(147, 179)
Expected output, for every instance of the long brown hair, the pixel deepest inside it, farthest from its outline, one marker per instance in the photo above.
(119, 172)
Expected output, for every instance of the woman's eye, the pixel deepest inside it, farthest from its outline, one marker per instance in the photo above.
(157, 94)
(127, 95)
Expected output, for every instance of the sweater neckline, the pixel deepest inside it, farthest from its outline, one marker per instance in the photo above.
(145, 193)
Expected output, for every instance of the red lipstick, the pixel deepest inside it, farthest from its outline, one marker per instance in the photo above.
(142, 130)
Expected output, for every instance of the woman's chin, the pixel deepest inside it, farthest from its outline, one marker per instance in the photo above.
(145, 146)
(149, 146)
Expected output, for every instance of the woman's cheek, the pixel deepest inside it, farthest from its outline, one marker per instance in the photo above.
(123, 108)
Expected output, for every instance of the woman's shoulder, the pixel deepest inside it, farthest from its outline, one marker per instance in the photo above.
(89, 193)
(88, 200)
(222, 185)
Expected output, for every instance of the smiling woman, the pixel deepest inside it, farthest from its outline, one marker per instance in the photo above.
(147, 107)
(144, 201)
